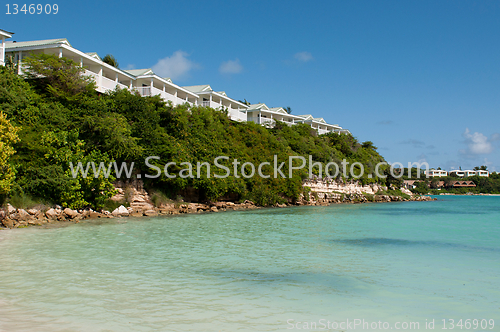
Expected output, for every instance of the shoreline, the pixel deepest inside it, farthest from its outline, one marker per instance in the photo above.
(57, 217)
(452, 194)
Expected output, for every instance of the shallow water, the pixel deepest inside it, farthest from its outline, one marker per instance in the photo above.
(256, 270)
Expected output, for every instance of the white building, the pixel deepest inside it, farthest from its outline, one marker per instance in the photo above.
(147, 83)
(483, 173)
(435, 172)
(468, 173)
(219, 100)
(3, 35)
(261, 114)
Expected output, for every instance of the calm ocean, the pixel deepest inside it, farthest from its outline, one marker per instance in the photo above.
(263, 270)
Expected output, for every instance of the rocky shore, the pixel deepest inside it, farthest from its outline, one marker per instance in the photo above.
(321, 192)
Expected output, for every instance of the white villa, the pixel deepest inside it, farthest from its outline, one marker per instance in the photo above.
(261, 114)
(468, 173)
(147, 83)
(436, 172)
(208, 97)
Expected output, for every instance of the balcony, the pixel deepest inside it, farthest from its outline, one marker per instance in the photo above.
(104, 84)
(144, 91)
(108, 84)
(237, 115)
(149, 91)
(212, 104)
(323, 131)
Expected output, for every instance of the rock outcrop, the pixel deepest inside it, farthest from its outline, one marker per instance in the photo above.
(320, 192)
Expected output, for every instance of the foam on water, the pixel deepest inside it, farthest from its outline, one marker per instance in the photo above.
(254, 270)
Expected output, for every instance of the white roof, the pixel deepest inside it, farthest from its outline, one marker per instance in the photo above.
(6, 34)
(10, 45)
(258, 107)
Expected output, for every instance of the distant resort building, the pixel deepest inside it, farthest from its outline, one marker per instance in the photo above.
(146, 83)
(458, 173)
(467, 173)
(435, 172)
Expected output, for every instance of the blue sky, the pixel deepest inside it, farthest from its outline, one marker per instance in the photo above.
(420, 79)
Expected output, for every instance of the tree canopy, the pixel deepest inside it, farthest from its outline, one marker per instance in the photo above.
(110, 60)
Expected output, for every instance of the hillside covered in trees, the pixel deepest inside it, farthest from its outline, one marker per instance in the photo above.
(48, 123)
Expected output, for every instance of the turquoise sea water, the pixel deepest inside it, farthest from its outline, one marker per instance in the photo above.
(256, 270)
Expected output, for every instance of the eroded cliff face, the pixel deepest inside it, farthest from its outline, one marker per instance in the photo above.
(323, 191)
(332, 186)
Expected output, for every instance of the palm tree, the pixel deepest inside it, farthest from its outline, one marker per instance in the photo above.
(110, 60)
(288, 109)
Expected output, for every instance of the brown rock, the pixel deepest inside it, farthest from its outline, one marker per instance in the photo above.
(24, 215)
(34, 212)
(51, 214)
(136, 213)
(93, 215)
(220, 205)
(150, 213)
(213, 209)
(10, 209)
(7, 222)
(70, 213)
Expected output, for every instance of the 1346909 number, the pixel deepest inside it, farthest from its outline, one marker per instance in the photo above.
(468, 324)
(32, 9)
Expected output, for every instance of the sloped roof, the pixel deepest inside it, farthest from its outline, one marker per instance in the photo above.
(257, 107)
(306, 116)
(222, 93)
(6, 33)
(140, 72)
(198, 88)
(37, 43)
(319, 120)
(94, 55)
(278, 110)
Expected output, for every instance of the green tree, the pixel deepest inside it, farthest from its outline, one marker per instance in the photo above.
(8, 137)
(60, 77)
(110, 60)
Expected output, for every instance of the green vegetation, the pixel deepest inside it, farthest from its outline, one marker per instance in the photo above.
(8, 136)
(61, 119)
(110, 60)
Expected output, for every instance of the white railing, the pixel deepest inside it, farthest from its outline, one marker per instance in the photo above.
(322, 131)
(181, 101)
(237, 115)
(108, 84)
(144, 91)
(93, 75)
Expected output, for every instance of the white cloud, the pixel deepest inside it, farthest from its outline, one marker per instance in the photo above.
(477, 143)
(303, 56)
(176, 66)
(231, 67)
